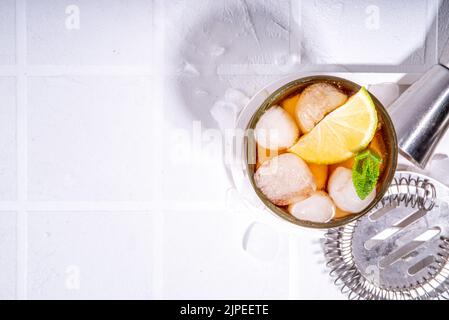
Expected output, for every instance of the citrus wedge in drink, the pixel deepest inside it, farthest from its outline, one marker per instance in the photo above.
(342, 133)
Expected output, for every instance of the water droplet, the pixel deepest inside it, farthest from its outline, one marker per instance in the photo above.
(189, 69)
(201, 92)
(217, 51)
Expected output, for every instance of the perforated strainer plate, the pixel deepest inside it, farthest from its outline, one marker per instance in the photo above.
(400, 249)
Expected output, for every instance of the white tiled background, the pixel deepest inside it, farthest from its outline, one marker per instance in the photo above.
(95, 202)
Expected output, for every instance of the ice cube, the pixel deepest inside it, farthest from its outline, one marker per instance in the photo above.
(225, 114)
(237, 97)
(225, 111)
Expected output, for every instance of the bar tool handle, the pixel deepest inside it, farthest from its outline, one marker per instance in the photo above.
(421, 115)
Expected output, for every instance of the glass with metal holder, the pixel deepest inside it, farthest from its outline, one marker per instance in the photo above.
(313, 184)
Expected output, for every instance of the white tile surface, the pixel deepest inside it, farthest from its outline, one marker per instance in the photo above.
(97, 255)
(7, 32)
(193, 170)
(90, 139)
(56, 38)
(8, 257)
(97, 144)
(8, 141)
(227, 32)
(367, 32)
(311, 264)
(204, 259)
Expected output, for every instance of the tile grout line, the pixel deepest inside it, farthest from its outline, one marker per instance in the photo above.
(86, 206)
(87, 70)
(296, 35)
(22, 174)
(295, 30)
(158, 221)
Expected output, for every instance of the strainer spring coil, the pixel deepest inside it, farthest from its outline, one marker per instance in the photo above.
(409, 191)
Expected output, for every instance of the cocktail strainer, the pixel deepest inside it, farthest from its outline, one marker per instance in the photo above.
(400, 249)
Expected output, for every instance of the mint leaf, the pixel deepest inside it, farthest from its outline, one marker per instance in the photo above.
(365, 172)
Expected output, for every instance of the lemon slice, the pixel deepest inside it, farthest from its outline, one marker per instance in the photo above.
(342, 133)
